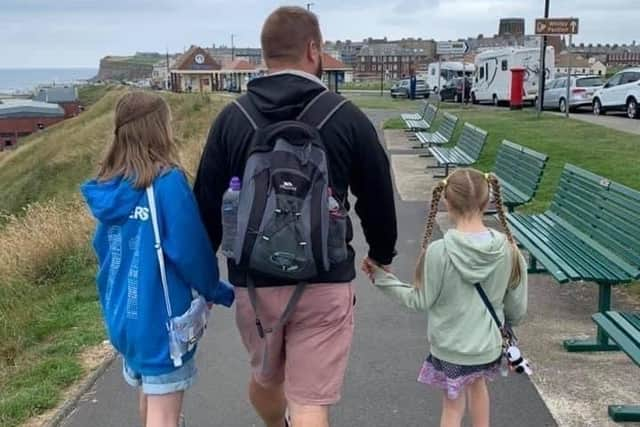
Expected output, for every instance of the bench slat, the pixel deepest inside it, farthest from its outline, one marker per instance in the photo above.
(619, 336)
(632, 331)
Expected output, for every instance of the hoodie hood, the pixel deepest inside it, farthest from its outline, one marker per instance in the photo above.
(111, 202)
(283, 96)
(475, 261)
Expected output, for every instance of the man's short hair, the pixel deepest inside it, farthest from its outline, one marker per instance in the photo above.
(287, 32)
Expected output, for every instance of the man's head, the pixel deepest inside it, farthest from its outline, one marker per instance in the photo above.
(291, 38)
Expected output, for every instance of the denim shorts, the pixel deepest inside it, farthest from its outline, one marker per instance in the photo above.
(179, 380)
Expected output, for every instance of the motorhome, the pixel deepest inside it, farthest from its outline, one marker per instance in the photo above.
(492, 79)
(448, 71)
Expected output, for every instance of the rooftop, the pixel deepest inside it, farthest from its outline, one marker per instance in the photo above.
(28, 108)
(56, 94)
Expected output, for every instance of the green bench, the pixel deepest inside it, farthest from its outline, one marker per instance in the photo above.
(465, 153)
(519, 170)
(441, 136)
(415, 116)
(423, 122)
(590, 233)
(624, 330)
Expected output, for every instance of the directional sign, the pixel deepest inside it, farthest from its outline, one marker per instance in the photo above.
(554, 26)
(452, 48)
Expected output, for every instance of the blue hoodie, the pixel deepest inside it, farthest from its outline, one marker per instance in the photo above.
(128, 279)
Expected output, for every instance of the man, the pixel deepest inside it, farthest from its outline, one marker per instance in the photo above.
(301, 365)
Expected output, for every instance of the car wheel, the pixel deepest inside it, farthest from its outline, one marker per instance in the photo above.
(563, 105)
(597, 107)
(474, 100)
(496, 101)
(632, 109)
(394, 96)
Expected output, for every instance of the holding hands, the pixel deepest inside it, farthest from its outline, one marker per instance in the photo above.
(369, 267)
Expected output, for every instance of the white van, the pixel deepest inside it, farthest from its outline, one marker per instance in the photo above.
(492, 80)
(448, 71)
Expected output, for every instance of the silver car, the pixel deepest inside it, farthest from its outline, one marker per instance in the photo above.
(580, 93)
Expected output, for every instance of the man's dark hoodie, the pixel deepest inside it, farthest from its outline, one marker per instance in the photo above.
(356, 160)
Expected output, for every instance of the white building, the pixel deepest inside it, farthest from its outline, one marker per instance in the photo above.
(579, 65)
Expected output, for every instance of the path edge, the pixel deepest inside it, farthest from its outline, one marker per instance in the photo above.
(72, 402)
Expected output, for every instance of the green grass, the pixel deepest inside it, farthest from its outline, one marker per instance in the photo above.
(38, 363)
(375, 101)
(371, 85)
(606, 152)
(91, 94)
(49, 311)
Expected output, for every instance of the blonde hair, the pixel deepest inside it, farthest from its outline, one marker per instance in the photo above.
(142, 146)
(467, 194)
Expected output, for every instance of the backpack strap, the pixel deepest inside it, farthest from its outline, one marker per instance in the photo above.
(253, 115)
(321, 108)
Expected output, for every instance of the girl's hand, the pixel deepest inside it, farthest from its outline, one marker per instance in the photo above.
(369, 268)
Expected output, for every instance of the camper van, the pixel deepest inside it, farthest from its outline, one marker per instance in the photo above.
(492, 79)
(448, 71)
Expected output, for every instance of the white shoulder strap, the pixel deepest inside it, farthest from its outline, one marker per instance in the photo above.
(158, 244)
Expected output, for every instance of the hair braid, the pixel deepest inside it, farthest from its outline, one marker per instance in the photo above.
(516, 273)
(428, 231)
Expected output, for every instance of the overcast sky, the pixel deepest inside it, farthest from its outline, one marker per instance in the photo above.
(77, 33)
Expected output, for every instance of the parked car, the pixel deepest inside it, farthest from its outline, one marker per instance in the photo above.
(581, 92)
(452, 90)
(621, 92)
(402, 88)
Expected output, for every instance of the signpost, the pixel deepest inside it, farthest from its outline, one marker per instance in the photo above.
(549, 27)
(450, 48)
(556, 26)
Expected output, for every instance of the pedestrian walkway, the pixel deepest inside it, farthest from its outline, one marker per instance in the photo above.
(381, 388)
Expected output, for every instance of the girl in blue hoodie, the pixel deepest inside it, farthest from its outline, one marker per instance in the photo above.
(129, 284)
(466, 343)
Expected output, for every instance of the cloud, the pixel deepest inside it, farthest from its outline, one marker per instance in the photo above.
(61, 33)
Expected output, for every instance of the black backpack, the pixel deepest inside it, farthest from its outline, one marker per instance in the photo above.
(285, 230)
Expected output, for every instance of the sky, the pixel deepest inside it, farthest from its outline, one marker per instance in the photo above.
(77, 33)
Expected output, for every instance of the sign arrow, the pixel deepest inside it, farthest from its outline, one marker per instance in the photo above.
(541, 27)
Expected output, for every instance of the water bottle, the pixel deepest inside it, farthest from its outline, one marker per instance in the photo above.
(230, 202)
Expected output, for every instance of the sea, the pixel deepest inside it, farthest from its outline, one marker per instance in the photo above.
(14, 81)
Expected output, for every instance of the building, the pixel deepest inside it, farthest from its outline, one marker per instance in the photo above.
(335, 72)
(391, 61)
(194, 71)
(623, 59)
(64, 96)
(579, 64)
(160, 77)
(235, 75)
(251, 55)
(511, 26)
(20, 118)
(347, 51)
(612, 55)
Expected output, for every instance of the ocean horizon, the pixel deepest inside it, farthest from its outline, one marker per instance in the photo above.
(25, 80)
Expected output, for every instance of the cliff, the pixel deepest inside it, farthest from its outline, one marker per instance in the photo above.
(137, 67)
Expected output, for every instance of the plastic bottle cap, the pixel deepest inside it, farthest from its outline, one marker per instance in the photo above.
(235, 184)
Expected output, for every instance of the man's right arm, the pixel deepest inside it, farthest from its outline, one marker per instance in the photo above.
(212, 179)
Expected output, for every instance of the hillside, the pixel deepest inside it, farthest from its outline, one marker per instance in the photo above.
(48, 306)
(137, 67)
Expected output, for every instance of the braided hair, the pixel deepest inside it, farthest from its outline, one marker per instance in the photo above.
(436, 195)
(516, 270)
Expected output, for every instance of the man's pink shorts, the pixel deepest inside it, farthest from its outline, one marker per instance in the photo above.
(310, 354)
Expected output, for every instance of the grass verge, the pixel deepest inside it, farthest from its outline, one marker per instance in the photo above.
(49, 311)
(606, 152)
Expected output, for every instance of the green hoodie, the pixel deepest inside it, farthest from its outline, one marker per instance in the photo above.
(460, 328)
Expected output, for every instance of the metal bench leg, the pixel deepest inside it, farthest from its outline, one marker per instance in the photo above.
(533, 266)
(622, 413)
(446, 172)
(601, 342)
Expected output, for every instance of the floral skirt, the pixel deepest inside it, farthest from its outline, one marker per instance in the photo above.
(452, 378)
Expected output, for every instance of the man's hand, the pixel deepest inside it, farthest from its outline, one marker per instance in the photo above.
(369, 267)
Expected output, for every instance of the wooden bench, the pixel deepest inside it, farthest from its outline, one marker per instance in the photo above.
(424, 122)
(519, 170)
(624, 330)
(590, 233)
(465, 153)
(442, 135)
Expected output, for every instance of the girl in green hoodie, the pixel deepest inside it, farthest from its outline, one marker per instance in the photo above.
(466, 344)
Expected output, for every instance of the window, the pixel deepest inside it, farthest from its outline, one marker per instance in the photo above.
(486, 71)
(482, 73)
(374, 58)
(560, 83)
(505, 65)
(589, 82)
(630, 78)
(433, 71)
(615, 80)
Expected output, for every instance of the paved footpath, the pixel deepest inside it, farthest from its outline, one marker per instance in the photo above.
(380, 390)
